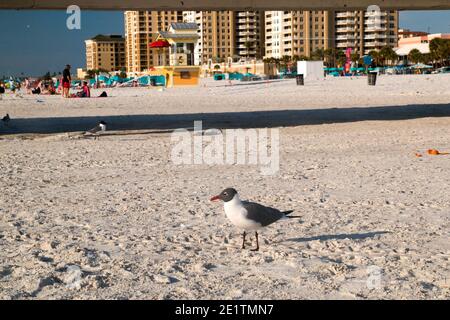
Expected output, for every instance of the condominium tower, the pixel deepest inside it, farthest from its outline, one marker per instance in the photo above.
(141, 28)
(217, 34)
(364, 31)
(105, 52)
(297, 33)
(250, 31)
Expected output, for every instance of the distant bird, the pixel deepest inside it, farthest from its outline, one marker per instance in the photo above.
(6, 119)
(249, 215)
(97, 130)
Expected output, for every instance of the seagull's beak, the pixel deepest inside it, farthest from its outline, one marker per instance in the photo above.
(215, 198)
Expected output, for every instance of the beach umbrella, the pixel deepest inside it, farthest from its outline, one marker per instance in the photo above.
(103, 78)
(159, 44)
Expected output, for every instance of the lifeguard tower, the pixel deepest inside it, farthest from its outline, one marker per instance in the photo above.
(181, 42)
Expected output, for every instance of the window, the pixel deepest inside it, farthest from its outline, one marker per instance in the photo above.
(185, 75)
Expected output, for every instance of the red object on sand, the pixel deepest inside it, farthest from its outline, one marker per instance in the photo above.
(159, 44)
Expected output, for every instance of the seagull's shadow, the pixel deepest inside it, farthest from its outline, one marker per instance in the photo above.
(352, 236)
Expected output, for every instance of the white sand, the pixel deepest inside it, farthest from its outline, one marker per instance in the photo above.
(118, 215)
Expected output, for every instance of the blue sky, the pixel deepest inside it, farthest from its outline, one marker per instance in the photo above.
(34, 42)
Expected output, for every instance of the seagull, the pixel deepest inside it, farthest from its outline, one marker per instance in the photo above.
(99, 128)
(6, 119)
(249, 215)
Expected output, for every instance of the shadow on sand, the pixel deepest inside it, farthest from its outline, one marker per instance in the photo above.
(224, 120)
(352, 236)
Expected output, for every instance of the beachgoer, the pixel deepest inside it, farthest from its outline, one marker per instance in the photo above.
(12, 85)
(51, 88)
(66, 80)
(36, 90)
(28, 85)
(86, 92)
(2, 90)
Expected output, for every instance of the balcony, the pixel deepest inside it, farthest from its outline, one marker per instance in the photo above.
(375, 14)
(374, 29)
(346, 37)
(345, 14)
(246, 14)
(377, 36)
(345, 29)
(247, 52)
(374, 21)
(247, 20)
(345, 44)
(246, 33)
(375, 44)
(344, 22)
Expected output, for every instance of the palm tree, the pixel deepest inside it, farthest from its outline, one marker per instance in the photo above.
(285, 60)
(355, 57)
(375, 55)
(335, 57)
(328, 56)
(318, 54)
(340, 58)
(440, 49)
(415, 56)
(248, 46)
(387, 53)
(426, 58)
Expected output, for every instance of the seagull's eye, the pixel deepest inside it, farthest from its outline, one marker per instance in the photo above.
(225, 193)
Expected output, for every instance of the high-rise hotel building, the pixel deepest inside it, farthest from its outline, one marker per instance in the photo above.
(297, 33)
(250, 29)
(290, 33)
(106, 52)
(217, 34)
(141, 28)
(364, 31)
(252, 34)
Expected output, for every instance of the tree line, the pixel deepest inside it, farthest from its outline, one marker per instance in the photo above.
(439, 56)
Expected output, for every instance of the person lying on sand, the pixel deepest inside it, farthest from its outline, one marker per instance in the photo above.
(37, 88)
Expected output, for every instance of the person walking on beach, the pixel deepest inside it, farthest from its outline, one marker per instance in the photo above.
(2, 90)
(66, 80)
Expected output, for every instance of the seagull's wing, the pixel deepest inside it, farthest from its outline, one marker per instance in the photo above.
(94, 130)
(263, 215)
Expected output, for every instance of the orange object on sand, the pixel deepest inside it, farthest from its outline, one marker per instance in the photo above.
(435, 152)
(418, 155)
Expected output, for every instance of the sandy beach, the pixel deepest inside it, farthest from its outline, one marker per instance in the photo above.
(114, 218)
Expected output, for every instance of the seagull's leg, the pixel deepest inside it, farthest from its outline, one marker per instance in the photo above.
(257, 242)
(243, 240)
